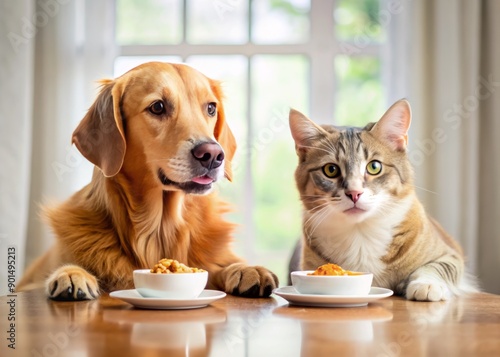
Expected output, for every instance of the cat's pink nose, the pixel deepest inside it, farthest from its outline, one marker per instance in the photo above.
(354, 195)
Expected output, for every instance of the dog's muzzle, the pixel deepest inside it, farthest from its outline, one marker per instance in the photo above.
(208, 159)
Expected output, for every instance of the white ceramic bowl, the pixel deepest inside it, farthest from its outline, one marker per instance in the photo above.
(355, 285)
(172, 286)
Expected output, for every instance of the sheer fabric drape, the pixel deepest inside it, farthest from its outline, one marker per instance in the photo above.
(52, 51)
(446, 57)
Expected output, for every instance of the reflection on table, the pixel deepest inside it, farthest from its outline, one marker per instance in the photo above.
(253, 327)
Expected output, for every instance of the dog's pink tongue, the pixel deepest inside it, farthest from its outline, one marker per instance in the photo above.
(203, 180)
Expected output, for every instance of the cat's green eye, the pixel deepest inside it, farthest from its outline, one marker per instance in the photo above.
(374, 167)
(331, 170)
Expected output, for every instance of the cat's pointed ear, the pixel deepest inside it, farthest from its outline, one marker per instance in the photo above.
(393, 127)
(303, 129)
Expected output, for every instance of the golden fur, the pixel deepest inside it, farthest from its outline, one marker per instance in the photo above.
(142, 204)
(372, 221)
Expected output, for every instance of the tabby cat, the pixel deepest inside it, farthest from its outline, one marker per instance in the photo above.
(361, 211)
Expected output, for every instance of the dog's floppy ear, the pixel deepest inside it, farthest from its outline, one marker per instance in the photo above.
(223, 133)
(100, 136)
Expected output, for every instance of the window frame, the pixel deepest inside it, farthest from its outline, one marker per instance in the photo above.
(320, 54)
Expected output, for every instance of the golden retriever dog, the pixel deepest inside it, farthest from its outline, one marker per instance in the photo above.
(159, 140)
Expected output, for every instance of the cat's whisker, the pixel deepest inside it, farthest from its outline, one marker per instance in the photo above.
(319, 206)
(312, 195)
(319, 217)
(314, 212)
(315, 198)
(313, 215)
(426, 190)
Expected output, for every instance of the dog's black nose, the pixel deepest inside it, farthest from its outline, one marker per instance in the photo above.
(209, 154)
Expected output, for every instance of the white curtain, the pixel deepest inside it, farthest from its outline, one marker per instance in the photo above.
(445, 58)
(51, 56)
(16, 108)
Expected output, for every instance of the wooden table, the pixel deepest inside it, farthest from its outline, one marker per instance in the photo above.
(250, 327)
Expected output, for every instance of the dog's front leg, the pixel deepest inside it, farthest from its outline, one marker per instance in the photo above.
(248, 281)
(70, 283)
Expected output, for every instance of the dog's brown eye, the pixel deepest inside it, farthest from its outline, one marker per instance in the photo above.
(212, 109)
(157, 108)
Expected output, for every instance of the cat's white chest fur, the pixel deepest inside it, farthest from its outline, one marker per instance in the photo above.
(359, 246)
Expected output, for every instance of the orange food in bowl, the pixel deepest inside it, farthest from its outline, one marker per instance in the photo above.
(332, 269)
(171, 266)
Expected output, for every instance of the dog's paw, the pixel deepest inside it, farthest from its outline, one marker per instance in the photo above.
(249, 281)
(427, 290)
(71, 283)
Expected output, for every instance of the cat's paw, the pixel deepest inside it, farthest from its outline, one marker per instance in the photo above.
(427, 290)
(71, 283)
(248, 281)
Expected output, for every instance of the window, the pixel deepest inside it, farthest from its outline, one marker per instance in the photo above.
(321, 57)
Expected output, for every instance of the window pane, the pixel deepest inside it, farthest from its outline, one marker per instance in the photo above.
(217, 22)
(280, 21)
(126, 63)
(359, 21)
(278, 83)
(148, 22)
(360, 96)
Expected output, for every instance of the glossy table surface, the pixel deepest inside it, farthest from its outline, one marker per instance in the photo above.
(236, 326)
